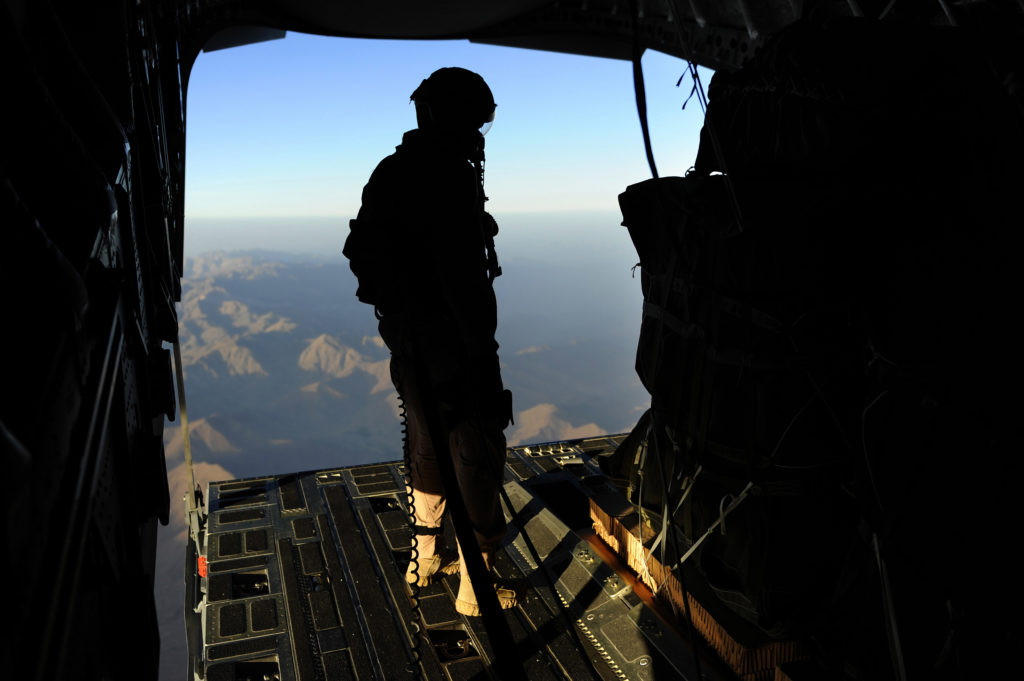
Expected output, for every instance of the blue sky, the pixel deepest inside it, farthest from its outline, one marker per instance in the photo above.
(293, 127)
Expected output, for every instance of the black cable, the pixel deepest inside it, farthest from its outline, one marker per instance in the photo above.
(708, 121)
(414, 667)
(638, 87)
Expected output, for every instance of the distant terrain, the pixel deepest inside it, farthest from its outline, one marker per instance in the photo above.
(285, 371)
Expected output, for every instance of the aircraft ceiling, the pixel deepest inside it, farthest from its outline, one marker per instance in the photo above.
(714, 33)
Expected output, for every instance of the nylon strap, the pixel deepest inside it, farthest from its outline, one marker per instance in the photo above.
(507, 665)
(667, 519)
(735, 307)
(892, 631)
(689, 488)
(638, 86)
(179, 371)
(684, 329)
(718, 521)
(665, 516)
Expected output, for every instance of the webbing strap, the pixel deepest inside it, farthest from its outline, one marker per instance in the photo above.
(180, 373)
(689, 330)
(689, 488)
(638, 86)
(892, 631)
(666, 523)
(733, 306)
(639, 463)
(723, 512)
(485, 222)
(423, 530)
(665, 515)
(507, 665)
(684, 329)
(551, 583)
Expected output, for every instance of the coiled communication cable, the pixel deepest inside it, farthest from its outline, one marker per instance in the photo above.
(415, 668)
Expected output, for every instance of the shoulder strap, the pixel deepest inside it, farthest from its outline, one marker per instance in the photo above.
(488, 227)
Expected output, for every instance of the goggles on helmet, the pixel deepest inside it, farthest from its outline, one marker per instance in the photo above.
(487, 124)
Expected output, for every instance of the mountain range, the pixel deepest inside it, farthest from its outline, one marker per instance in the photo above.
(285, 371)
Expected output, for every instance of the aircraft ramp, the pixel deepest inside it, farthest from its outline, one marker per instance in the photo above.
(301, 577)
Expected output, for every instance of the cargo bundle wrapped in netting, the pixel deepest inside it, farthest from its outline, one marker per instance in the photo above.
(826, 342)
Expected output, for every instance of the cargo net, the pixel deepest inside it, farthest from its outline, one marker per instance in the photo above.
(807, 352)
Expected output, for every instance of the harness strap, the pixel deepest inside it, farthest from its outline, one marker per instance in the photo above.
(666, 522)
(180, 373)
(485, 222)
(729, 356)
(685, 329)
(892, 631)
(508, 666)
(723, 512)
(689, 488)
(733, 306)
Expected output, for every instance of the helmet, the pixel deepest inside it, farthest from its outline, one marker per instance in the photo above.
(454, 98)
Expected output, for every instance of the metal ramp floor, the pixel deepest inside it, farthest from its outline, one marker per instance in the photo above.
(304, 580)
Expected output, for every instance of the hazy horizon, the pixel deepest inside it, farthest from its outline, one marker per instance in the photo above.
(324, 236)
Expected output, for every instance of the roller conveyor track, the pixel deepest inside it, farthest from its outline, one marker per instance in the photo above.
(305, 580)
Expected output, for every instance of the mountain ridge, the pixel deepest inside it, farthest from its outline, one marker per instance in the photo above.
(285, 370)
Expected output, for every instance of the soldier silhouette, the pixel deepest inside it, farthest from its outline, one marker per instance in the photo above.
(422, 248)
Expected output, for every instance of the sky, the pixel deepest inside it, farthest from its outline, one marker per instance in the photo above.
(281, 136)
(287, 132)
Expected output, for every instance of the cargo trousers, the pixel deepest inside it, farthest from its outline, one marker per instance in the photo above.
(463, 389)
